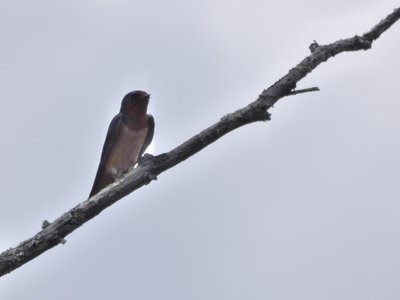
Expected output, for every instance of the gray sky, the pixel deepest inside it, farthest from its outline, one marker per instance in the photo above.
(303, 207)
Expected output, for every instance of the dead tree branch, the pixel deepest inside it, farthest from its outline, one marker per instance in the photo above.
(149, 167)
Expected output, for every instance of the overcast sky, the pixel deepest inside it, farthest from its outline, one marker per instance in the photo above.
(303, 207)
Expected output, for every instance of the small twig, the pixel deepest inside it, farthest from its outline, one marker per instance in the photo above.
(313, 46)
(295, 92)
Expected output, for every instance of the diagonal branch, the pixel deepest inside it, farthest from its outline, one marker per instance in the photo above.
(54, 233)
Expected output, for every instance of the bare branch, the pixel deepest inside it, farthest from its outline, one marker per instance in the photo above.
(149, 167)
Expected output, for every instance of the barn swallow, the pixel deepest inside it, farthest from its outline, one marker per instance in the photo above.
(128, 136)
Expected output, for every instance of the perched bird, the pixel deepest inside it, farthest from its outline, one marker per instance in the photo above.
(129, 134)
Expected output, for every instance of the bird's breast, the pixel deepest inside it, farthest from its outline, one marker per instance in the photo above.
(126, 150)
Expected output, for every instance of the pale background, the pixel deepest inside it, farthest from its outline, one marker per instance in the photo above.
(303, 207)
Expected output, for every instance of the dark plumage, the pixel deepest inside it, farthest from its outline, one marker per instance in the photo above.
(128, 136)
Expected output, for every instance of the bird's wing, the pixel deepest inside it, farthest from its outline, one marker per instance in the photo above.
(112, 133)
(149, 136)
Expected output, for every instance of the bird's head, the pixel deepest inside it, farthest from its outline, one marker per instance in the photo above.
(135, 103)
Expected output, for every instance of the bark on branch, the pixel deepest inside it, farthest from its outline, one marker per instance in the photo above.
(149, 167)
